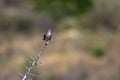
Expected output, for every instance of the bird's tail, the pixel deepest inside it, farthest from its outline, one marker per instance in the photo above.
(46, 42)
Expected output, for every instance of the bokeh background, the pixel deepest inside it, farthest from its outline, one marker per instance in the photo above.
(85, 43)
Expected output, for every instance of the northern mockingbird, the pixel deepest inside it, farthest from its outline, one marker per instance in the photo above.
(47, 37)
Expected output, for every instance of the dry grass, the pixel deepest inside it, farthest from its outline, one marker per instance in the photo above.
(64, 54)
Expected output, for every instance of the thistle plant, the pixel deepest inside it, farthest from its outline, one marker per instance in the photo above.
(47, 39)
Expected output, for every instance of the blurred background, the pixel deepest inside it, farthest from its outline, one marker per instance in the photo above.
(85, 43)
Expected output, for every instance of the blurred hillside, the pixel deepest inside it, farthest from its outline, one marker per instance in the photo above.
(85, 43)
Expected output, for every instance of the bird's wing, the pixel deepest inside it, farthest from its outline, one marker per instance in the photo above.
(50, 37)
(44, 36)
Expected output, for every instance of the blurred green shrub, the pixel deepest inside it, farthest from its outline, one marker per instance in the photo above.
(6, 24)
(26, 63)
(104, 16)
(15, 24)
(67, 24)
(64, 7)
(101, 21)
(98, 50)
(52, 77)
(24, 25)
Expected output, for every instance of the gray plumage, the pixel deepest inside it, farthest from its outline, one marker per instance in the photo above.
(47, 36)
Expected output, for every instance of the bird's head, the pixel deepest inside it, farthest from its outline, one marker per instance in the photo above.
(49, 30)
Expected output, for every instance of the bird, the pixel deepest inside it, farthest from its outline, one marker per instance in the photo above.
(47, 37)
